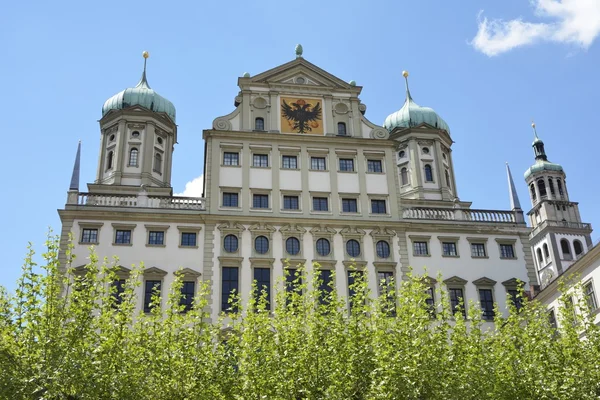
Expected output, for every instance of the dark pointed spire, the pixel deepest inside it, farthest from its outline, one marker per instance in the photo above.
(143, 82)
(75, 177)
(514, 197)
(408, 96)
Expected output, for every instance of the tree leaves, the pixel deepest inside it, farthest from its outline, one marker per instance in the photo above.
(64, 335)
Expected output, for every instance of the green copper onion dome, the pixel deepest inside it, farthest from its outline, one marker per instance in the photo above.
(541, 160)
(411, 114)
(141, 95)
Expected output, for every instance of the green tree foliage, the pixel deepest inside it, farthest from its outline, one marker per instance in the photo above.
(65, 336)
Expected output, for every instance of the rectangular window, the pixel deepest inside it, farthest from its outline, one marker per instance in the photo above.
(378, 207)
(123, 237)
(449, 249)
(260, 160)
(353, 276)
(477, 250)
(384, 281)
(156, 237)
(229, 287)
(507, 251)
(349, 205)
(515, 299)
(347, 164)
(320, 204)
(430, 300)
(374, 166)
(317, 163)
(151, 288)
(119, 286)
(188, 289)
(590, 296)
(456, 299)
(230, 200)
(325, 285)
(260, 201)
(89, 236)
(487, 304)
(290, 203)
(420, 249)
(289, 162)
(293, 283)
(188, 239)
(552, 319)
(231, 158)
(262, 276)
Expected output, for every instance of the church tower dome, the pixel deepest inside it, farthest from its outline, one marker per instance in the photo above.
(411, 114)
(142, 95)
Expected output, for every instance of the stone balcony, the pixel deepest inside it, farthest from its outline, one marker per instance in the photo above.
(464, 215)
(561, 224)
(141, 200)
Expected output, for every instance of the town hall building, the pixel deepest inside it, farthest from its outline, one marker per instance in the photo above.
(298, 175)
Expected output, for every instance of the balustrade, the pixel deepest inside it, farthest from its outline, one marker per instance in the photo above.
(453, 214)
(111, 200)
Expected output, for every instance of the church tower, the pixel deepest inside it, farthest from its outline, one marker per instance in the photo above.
(424, 157)
(138, 134)
(558, 236)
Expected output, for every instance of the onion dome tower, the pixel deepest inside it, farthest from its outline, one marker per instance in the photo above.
(138, 134)
(424, 155)
(558, 237)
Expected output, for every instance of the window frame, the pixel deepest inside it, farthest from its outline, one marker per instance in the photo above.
(224, 307)
(346, 198)
(261, 196)
(256, 124)
(269, 285)
(255, 245)
(402, 180)
(378, 200)
(90, 229)
(228, 158)
(320, 197)
(345, 129)
(287, 246)
(188, 230)
(456, 283)
(289, 157)
(290, 197)
(370, 162)
(444, 240)
(420, 239)
(591, 295)
(130, 157)
(317, 252)
(478, 241)
(389, 249)
(343, 160)
(352, 241)
(120, 227)
(157, 162)
(425, 177)
(319, 157)
(229, 193)
(237, 243)
(487, 284)
(261, 159)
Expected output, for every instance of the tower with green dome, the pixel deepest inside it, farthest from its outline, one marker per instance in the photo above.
(138, 132)
(424, 155)
(558, 236)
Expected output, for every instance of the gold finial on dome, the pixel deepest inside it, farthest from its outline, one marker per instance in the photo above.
(405, 74)
(145, 54)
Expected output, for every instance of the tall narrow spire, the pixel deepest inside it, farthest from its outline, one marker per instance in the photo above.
(514, 197)
(538, 146)
(75, 177)
(143, 81)
(405, 75)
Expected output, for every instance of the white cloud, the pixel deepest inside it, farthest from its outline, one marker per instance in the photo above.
(193, 188)
(572, 21)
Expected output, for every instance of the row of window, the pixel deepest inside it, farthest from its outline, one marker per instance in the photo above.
(133, 160)
(590, 298)
(565, 246)
(291, 162)
(124, 237)
(450, 249)
(292, 246)
(428, 171)
(259, 125)
(292, 203)
(541, 186)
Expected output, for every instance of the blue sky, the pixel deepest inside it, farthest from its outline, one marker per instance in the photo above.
(488, 68)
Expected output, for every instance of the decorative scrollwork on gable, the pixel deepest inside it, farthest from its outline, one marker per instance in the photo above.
(352, 230)
(222, 124)
(382, 231)
(380, 133)
(230, 227)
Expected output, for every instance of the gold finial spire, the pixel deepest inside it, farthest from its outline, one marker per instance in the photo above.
(145, 54)
(143, 82)
(405, 75)
(534, 130)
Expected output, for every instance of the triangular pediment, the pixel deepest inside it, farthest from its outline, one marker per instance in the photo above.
(301, 72)
(485, 281)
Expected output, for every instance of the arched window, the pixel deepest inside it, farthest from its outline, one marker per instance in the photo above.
(546, 252)
(404, 176)
(540, 257)
(578, 247)
(323, 247)
(230, 243)
(448, 179)
(428, 173)
(157, 162)
(292, 246)
(133, 157)
(532, 189)
(542, 187)
(383, 249)
(551, 186)
(566, 249)
(560, 187)
(109, 161)
(341, 129)
(353, 248)
(261, 245)
(259, 124)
